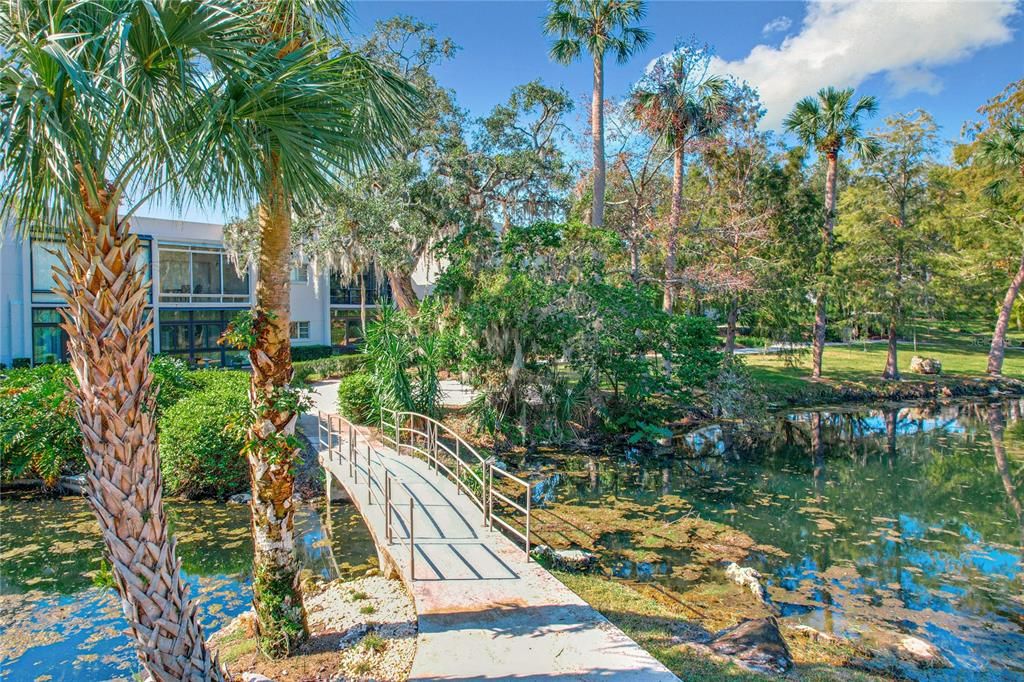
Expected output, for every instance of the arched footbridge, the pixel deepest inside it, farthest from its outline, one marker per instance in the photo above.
(455, 527)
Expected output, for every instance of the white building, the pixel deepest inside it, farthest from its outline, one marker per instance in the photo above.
(195, 292)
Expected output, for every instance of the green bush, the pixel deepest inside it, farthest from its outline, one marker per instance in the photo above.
(199, 455)
(334, 367)
(304, 353)
(356, 399)
(39, 436)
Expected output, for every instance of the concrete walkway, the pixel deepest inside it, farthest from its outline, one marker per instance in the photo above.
(485, 613)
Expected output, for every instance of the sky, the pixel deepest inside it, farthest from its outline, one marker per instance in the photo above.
(945, 57)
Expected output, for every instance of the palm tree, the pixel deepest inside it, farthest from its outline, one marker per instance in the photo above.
(830, 123)
(680, 101)
(599, 27)
(293, 127)
(1004, 148)
(95, 98)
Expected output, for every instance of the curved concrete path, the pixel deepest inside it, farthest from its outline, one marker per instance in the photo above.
(485, 613)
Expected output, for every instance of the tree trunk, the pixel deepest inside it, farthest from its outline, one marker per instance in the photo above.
(271, 442)
(891, 368)
(362, 302)
(998, 348)
(103, 281)
(403, 293)
(597, 130)
(730, 326)
(671, 246)
(825, 267)
(996, 429)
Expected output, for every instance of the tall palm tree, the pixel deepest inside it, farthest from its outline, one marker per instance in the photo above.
(293, 127)
(95, 101)
(680, 101)
(599, 27)
(830, 123)
(1004, 148)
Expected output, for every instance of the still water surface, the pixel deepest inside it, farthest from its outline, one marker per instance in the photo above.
(56, 623)
(905, 519)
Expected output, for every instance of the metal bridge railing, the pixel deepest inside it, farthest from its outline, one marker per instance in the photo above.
(463, 465)
(330, 428)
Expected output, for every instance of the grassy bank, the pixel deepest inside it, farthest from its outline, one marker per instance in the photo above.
(660, 629)
(853, 372)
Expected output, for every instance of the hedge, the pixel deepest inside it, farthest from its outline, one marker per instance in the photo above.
(304, 353)
(39, 437)
(355, 397)
(200, 456)
(334, 367)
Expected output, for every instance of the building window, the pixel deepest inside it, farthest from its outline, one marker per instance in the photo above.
(348, 293)
(44, 256)
(299, 330)
(346, 327)
(192, 335)
(300, 273)
(49, 341)
(200, 274)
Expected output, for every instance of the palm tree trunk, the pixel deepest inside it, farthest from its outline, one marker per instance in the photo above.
(107, 323)
(998, 348)
(825, 267)
(597, 130)
(403, 292)
(271, 444)
(672, 244)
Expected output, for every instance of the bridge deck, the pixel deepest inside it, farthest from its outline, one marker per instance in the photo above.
(484, 611)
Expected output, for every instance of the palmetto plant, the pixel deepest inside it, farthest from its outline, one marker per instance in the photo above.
(1004, 148)
(830, 123)
(95, 107)
(597, 27)
(680, 101)
(288, 129)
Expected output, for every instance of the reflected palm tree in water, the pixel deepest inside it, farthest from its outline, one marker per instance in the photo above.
(996, 429)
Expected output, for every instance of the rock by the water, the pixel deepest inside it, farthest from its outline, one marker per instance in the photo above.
(747, 577)
(240, 498)
(920, 365)
(755, 645)
(575, 560)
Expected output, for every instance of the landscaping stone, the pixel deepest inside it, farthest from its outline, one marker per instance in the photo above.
(574, 560)
(920, 365)
(747, 577)
(756, 645)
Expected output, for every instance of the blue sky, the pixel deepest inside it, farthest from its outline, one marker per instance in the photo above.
(945, 57)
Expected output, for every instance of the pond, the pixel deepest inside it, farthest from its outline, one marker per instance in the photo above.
(903, 519)
(57, 621)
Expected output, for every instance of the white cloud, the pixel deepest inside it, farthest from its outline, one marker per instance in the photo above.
(777, 25)
(844, 42)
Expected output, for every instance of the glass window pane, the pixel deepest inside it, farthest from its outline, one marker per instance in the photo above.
(208, 314)
(233, 284)
(213, 359)
(173, 337)
(44, 259)
(47, 344)
(236, 358)
(167, 315)
(46, 316)
(206, 335)
(205, 273)
(174, 272)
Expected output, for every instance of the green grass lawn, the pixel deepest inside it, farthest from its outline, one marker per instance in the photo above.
(862, 364)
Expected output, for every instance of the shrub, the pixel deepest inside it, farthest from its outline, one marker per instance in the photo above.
(21, 363)
(199, 455)
(355, 398)
(334, 367)
(39, 436)
(304, 353)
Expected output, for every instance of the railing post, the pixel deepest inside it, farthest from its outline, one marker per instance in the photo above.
(529, 495)
(412, 543)
(490, 494)
(369, 477)
(387, 505)
(351, 441)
